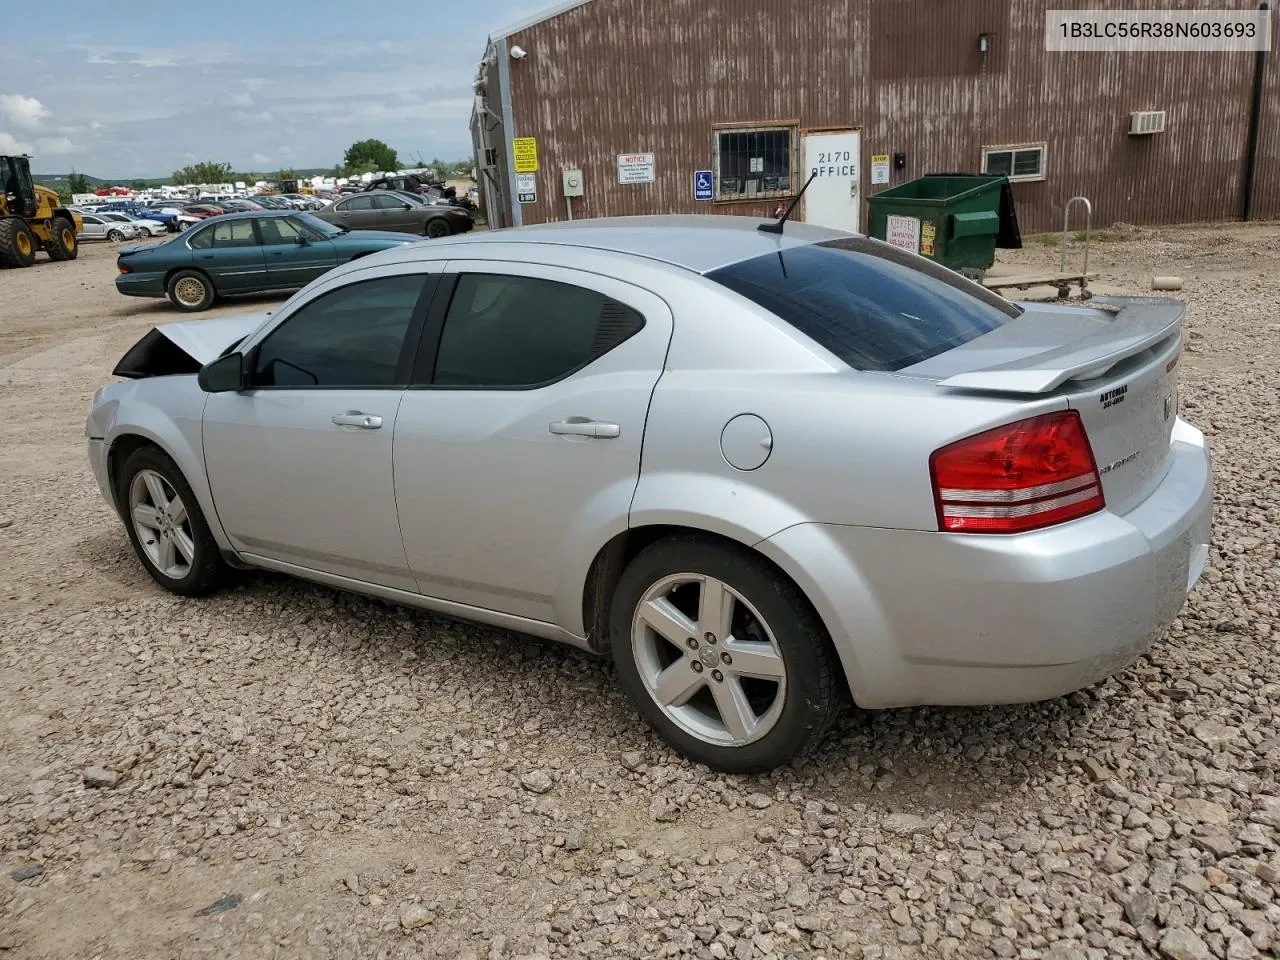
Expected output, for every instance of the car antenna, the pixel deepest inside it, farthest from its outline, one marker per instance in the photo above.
(777, 225)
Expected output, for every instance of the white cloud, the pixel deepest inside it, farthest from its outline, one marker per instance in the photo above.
(246, 116)
(10, 144)
(261, 158)
(54, 146)
(22, 111)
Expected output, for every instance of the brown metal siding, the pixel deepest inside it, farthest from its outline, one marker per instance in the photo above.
(1266, 184)
(623, 76)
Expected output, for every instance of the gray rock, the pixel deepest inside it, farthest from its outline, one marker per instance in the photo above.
(1179, 943)
(632, 759)
(759, 801)
(414, 916)
(29, 872)
(1202, 811)
(100, 778)
(905, 824)
(1096, 770)
(538, 781)
(662, 810)
(573, 837)
(1139, 908)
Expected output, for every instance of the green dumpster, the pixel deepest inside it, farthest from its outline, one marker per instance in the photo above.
(956, 219)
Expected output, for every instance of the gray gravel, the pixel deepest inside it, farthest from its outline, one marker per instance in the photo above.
(319, 775)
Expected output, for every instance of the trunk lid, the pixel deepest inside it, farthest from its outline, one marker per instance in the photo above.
(1114, 361)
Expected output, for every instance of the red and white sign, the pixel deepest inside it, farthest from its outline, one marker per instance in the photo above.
(635, 168)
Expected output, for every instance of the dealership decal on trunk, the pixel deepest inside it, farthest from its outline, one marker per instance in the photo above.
(1119, 463)
(1112, 397)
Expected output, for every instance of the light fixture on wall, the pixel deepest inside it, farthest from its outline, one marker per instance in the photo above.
(518, 52)
(984, 43)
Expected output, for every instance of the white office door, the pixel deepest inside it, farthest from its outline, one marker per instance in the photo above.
(834, 198)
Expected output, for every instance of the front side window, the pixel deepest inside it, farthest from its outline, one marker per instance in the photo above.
(278, 230)
(1016, 163)
(350, 337)
(515, 332)
(388, 202)
(234, 233)
(754, 162)
(872, 305)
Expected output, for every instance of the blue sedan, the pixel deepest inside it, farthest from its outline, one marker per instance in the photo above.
(264, 251)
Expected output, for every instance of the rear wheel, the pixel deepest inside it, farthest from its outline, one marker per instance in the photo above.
(17, 245)
(190, 290)
(437, 228)
(165, 525)
(722, 656)
(63, 245)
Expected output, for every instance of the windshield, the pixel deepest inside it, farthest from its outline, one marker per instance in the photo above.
(321, 227)
(874, 306)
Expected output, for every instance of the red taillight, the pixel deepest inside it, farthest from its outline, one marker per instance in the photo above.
(1022, 476)
(124, 268)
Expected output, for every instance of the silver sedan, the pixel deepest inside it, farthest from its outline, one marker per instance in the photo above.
(764, 472)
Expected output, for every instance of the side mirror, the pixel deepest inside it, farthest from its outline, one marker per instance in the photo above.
(224, 375)
(301, 240)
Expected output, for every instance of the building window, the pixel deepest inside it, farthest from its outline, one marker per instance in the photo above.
(754, 162)
(1023, 162)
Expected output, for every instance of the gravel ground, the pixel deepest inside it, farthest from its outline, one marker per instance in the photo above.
(286, 771)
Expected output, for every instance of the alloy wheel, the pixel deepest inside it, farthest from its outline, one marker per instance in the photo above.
(189, 291)
(708, 659)
(160, 520)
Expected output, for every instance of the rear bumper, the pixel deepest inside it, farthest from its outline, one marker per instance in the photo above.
(140, 285)
(933, 618)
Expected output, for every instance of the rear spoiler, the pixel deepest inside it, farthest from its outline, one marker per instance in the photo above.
(1137, 325)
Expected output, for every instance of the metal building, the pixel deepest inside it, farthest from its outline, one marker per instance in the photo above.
(726, 106)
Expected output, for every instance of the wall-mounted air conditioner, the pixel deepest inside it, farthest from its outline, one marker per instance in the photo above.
(1146, 121)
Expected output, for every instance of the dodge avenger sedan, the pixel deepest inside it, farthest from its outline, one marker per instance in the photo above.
(763, 471)
(263, 251)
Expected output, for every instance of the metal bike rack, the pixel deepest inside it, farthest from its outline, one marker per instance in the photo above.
(1064, 287)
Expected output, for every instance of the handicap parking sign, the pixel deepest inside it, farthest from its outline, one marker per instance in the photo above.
(703, 185)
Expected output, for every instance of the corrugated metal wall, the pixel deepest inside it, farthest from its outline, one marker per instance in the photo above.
(630, 76)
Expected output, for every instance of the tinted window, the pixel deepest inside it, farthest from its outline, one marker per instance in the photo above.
(874, 306)
(201, 239)
(388, 202)
(357, 203)
(234, 233)
(505, 331)
(278, 230)
(352, 337)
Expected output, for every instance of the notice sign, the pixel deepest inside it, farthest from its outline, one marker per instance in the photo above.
(879, 168)
(928, 234)
(704, 185)
(635, 168)
(526, 187)
(903, 232)
(524, 151)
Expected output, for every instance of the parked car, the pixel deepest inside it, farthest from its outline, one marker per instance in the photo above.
(99, 227)
(759, 470)
(204, 209)
(383, 210)
(151, 228)
(240, 253)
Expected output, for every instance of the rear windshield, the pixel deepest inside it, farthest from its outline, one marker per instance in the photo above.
(874, 306)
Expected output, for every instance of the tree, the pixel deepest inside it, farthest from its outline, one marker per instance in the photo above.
(138, 185)
(78, 183)
(369, 156)
(207, 171)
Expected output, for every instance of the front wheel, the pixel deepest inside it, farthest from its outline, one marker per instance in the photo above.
(64, 245)
(722, 655)
(437, 229)
(165, 525)
(115, 236)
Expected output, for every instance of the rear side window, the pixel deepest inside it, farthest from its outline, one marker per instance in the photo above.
(504, 331)
(872, 305)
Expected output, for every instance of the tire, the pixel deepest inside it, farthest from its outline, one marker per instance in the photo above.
(438, 228)
(183, 293)
(17, 244)
(115, 236)
(772, 628)
(179, 552)
(64, 245)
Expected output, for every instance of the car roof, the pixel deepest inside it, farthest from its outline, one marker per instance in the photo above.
(254, 214)
(698, 243)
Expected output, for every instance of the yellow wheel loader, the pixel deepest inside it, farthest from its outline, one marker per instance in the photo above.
(32, 218)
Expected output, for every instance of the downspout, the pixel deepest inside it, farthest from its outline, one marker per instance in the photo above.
(508, 128)
(1255, 122)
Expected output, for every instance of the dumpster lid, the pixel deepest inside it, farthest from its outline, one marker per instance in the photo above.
(1009, 237)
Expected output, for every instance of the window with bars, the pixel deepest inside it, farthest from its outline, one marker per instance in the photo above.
(754, 162)
(1017, 163)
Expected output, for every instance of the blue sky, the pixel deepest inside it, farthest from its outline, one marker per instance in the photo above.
(140, 87)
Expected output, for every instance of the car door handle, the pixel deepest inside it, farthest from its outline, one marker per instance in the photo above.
(354, 418)
(583, 427)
